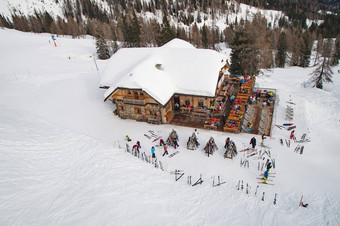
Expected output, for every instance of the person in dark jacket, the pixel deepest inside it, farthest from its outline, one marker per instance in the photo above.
(227, 142)
(253, 142)
(269, 166)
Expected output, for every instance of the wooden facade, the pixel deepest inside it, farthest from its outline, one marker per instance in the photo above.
(139, 105)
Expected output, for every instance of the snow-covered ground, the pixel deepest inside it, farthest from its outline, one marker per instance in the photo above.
(62, 157)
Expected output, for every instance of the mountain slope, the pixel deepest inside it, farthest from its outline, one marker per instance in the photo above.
(62, 157)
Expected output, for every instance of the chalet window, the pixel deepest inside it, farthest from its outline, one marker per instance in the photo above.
(129, 91)
(138, 111)
(200, 103)
(135, 93)
(141, 93)
(187, 101)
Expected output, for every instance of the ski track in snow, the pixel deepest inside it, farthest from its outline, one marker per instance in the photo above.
(60, 161)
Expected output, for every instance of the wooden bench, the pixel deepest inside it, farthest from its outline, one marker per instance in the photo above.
(232, 117)
(206, 126)
(199, 114)
(228, 129)
(243, 95)
(185, 110)
(241, 112)
(247, 85)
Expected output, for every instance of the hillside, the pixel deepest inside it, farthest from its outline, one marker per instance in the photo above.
(63, 162)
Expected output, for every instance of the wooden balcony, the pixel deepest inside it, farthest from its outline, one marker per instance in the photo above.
(133, 101)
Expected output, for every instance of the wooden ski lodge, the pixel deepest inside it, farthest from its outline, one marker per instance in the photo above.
(180, 84)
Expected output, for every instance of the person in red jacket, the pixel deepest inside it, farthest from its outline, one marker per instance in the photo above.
(165, 150)
(292, 136)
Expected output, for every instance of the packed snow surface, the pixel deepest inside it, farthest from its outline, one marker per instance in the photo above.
(176, 67)
(63, 158)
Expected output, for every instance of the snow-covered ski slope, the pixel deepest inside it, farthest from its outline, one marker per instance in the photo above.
(62, 157)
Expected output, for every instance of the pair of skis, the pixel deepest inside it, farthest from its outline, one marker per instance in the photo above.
(275, 196)
(199, 181)
(178, 172)
(219, 182)
(173, 154)
(262, 179)
(244, 163)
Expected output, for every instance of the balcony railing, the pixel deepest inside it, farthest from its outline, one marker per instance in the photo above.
(133, 101)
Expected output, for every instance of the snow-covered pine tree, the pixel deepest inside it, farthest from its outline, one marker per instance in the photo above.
(101, 45)
(323, 73)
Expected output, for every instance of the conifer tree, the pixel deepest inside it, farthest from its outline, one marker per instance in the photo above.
(236, 50)
(336, 56)
(323, 73)
(167, 32)
(204, 37)
(306, 50)
(102, 47)
(134, 33)
(282, 50)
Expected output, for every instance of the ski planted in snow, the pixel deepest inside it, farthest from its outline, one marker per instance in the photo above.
(301, 150)
(256, 189)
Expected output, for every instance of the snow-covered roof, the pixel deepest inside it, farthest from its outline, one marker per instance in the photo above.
(176, 67)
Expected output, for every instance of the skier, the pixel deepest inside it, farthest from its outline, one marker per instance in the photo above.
(165, 150)
(175, 143)
(153, 152)
(227, 141)
(269, 166)
(292, 135)
(263, 138)
(135, 149)
(127, 138)
(253, 142)
(161, 142)
(265, 177)
(138, 145)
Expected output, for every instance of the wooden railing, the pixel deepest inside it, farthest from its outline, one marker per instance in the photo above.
(133, 101)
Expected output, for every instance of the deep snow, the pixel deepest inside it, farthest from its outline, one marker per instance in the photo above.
(61, 164)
